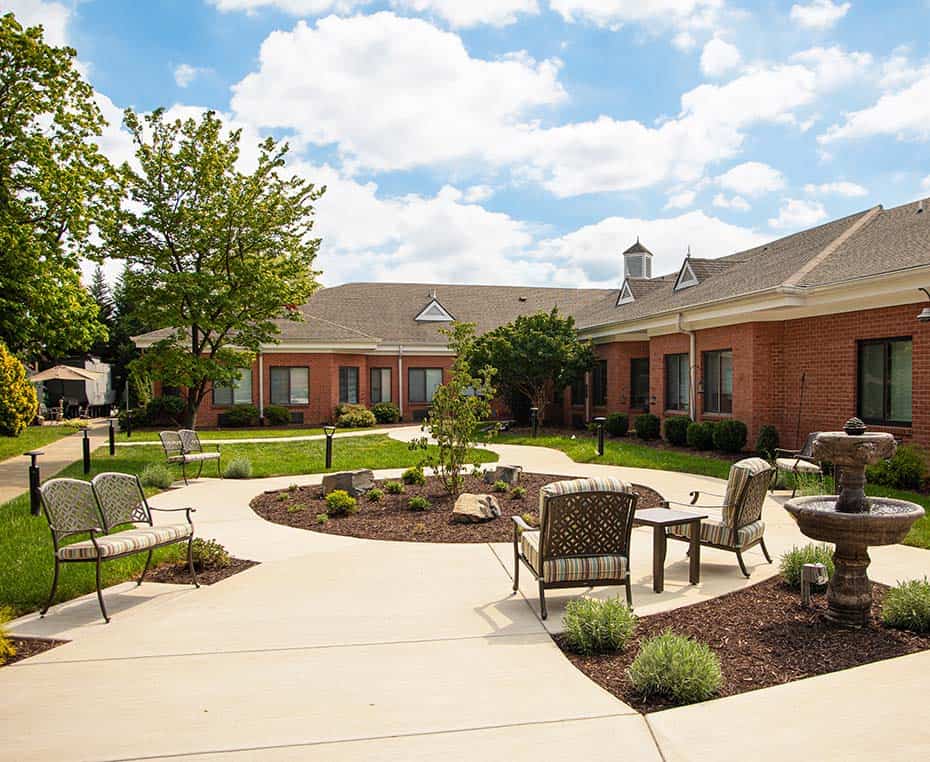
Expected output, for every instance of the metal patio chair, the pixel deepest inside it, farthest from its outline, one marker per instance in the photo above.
(184, 447)
(798, 462)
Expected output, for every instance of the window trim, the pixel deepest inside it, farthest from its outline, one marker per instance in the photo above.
(645, 406)
(347, 368)
(886, 381)
(679, 357)
(705, 393)
(289, 369)
(424, 369)
(246, 372)
(371, 387)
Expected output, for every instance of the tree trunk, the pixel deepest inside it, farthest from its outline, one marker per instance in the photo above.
(190, 412)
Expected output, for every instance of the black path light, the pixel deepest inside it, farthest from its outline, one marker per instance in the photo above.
(112, 433)
(534, 420)
(329, 431)
(924, 316)
(86, 448)
(35, 498)
(600, 421)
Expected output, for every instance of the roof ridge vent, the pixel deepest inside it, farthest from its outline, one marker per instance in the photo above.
(920, 206)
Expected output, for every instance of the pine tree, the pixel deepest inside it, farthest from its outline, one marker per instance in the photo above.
(100, 290)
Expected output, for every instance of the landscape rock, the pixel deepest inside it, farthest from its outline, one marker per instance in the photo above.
(475, 509)
(356, 483)
(508, 474)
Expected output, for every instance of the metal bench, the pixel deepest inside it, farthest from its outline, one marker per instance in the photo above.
(99, 508)
(184, 447)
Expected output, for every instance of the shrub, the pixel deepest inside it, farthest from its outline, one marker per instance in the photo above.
(355, 417)
(794, 559)
(675, 429)
(418, 503)
(500, 486)
(730, 435)
(700, 435)
(165, 411)
(530, 518)
(676, 667)
(156, 475)
(18, 401)
(238, 468)
(594, 626)
(393, 488)
(209, 554)
(618, 424)
(906, 470)
(374, 495)
(413, 475)
(322, 518)
(518, 492)
(907, 606)
(277, 415)
(7, 649)
(767, 442)
(386, 412)
(296, 508)
(241, 416)
(647, 426)
(340, 502)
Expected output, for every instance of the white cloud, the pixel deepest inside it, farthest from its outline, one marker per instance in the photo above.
(819, 14)
(184, 74)
(684, 41)
(905, 114)
(53, 17)
(737, 203)
(478, 193)
(925, 183)
(833, 66)
(719, 57)
(752, 178)
(796, 214)
(681, 200)
(838, 188)
(656, 14)
(293, 7)
(899, 71)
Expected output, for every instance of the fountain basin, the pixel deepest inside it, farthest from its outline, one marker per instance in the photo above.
(886, 523)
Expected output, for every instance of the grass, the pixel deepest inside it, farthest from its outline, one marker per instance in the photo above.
(630, 453)
(26, 543)
(33, 438)
(254, 432)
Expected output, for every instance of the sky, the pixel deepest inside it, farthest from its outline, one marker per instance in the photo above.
(529, 142)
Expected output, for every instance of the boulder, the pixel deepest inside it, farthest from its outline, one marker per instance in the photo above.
(474, 509)
(356, 483)
(508, 474)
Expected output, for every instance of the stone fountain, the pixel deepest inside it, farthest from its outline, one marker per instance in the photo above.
(852, 521)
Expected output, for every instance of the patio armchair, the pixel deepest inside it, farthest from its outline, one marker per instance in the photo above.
(101, 509)
(740, 526)
(583, 538)
(797, 462)
(184, 447)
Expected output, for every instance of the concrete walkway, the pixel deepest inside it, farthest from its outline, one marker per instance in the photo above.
(338, 648)
(263, 440)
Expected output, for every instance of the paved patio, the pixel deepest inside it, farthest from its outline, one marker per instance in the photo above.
(338, 648)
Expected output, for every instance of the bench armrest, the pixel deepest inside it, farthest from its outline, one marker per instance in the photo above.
(187, 512)
(520, 524)
(669, 503)
(696, 494)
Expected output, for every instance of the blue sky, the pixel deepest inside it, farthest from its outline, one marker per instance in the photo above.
(530, 141)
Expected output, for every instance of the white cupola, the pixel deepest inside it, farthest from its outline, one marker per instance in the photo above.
(637, 261)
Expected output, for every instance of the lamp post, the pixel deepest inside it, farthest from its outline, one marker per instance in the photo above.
(329, 431)
(534, 420)
(600, 421)
(35, 499)
(112, 435)
(85, 446)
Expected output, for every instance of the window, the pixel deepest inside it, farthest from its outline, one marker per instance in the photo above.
(290, 386)
(238, 394)
(639, 383)
(718, 381)
(422, 383)
(885, 381)
(348, 385)
(579, 390)
(677, 375)
(380, 385)
(599, 382)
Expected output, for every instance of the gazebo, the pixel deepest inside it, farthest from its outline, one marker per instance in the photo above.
(72, 389)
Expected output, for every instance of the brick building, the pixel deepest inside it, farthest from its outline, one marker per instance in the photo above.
(801, 333)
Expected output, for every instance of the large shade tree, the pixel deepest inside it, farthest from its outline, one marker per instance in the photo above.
(534, 356)
(53, 180)
(216, 254)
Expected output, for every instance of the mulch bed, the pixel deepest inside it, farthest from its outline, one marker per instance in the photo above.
(391, 519)
(763, 636)
(179, 574)
(26, 647)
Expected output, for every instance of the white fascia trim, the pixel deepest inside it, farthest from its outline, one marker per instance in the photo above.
(408, 350)
(316, 348)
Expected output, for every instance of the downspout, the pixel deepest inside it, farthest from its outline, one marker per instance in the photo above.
(692, 367)
(400, 380)
(261, 389)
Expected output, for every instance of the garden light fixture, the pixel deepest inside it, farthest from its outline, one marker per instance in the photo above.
(924, 316)
(329, 431)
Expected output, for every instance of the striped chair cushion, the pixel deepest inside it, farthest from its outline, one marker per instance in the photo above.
(718, 533)
(572, 569)
(740, 473)
(193, 457)
(125, 542)
(801, 466)
(574, 486)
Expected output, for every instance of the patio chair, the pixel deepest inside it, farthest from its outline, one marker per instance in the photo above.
(100, 508)
(740, 526)
(583, 538)
(184, 447)
(797, 462)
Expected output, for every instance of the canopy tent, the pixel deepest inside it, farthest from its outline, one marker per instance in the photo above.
(63, 373)
(78, 387)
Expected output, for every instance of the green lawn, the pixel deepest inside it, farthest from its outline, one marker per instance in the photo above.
(249, 433)
(624, 452)
(26, 545)
(33, 438)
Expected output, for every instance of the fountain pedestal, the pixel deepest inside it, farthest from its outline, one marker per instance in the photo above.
(852, 521)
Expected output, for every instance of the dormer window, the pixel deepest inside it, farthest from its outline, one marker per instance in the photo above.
(637, 261)
(686, 277)
(434, 312)
(626, 294)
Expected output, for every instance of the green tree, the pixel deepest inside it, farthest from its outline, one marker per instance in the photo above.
(52, 182)
(216, 255)
(534, 356)
(457, 409)
(18, 403)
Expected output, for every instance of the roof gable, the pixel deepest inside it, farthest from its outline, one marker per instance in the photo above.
(434, 312)
(626, 293)
(686, 276)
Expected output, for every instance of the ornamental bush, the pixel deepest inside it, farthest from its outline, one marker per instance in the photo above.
(413, 475)
(676, 667)
(647, 426)
(394, 488)
(500, 486)
(792, 562)
(906, 470)
(7, 649)
(277, 415)
(730, 435)
(907, 606)
(518, 492)
(241, 416)
(340, 502)
(354, 417)
(767, 442)
(418, 503)
(386, 412)
(238, 468)
(700, 435)
(675, 428)
(18, 401)
(618, 424)
(209, 554)
(156, 475)
(593, 626)
(374, 495)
